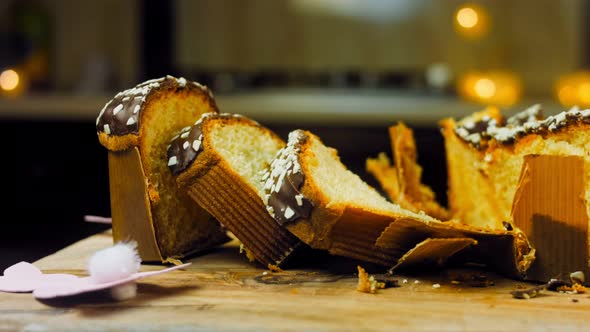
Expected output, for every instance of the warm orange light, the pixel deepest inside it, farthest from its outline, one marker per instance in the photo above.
(471, 21)
(467, 17)
(499, 88)
(485, 88)
(9, 80)
(574, 89)
(584, 92)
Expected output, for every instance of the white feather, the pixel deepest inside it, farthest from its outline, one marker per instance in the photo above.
(114, 263)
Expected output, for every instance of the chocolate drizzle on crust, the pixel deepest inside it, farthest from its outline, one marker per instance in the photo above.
(283, 180)
(186, 145)
(529, 121)
(121, 115)
(184, 148)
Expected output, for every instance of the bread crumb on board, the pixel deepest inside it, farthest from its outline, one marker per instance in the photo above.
(367, 283)
(248, 253)
(274, 268)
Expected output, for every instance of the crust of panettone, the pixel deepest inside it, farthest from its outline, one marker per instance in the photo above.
(463, 203)
(120, 143)
(402, 181)
(217, 187)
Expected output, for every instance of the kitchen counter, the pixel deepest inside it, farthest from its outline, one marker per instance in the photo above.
(222, 291)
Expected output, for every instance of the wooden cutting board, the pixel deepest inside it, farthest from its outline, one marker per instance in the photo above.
(222, 291)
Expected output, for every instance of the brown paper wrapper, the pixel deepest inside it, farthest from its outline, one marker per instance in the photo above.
(507, 252)
(550, 208)
(130, 204)
(241, 210)
(432, 252)
(355, 235)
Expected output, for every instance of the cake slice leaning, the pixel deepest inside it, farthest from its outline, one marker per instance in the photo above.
(146, 205)
(219, 162)
(314, 195)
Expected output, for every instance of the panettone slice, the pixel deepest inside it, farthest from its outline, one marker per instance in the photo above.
(146, 205)
(219, 162)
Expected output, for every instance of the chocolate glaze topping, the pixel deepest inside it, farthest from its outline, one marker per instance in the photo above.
(186, 145)
(283, 180)
(529, 121)
(121, 115)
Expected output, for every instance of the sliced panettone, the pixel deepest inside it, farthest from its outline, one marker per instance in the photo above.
(318, 199)
(528, 172)
(135, 126)
(219, 162)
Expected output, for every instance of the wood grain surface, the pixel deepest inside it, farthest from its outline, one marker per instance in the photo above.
(222, 291)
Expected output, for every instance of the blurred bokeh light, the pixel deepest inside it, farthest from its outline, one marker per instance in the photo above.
(574, 89)
(471, 21)
(500, 88)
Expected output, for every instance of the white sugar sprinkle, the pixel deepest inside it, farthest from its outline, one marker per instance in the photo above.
(182, 82)
(299, 199)
(117, 109)
(172, 161)
(270, 210)
(125, 98)
(196, 145)
(107, 129)
(184, 135)
(131, 121)
(265, 175)
(436, 286)
(136, 109)
(289, 213)
(185, 145)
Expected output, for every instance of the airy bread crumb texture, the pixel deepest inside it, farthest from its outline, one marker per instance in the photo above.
(248, 149)
(179, 222)
(342, 187)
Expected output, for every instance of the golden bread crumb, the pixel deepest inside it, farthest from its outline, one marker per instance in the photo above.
(274, 268)
(367, 283)
(248, 253)
(575, 289)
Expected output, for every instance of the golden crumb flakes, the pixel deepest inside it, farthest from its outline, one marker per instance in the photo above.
(574, 289)
(367, 283)
(248, 253)
(274, 268)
